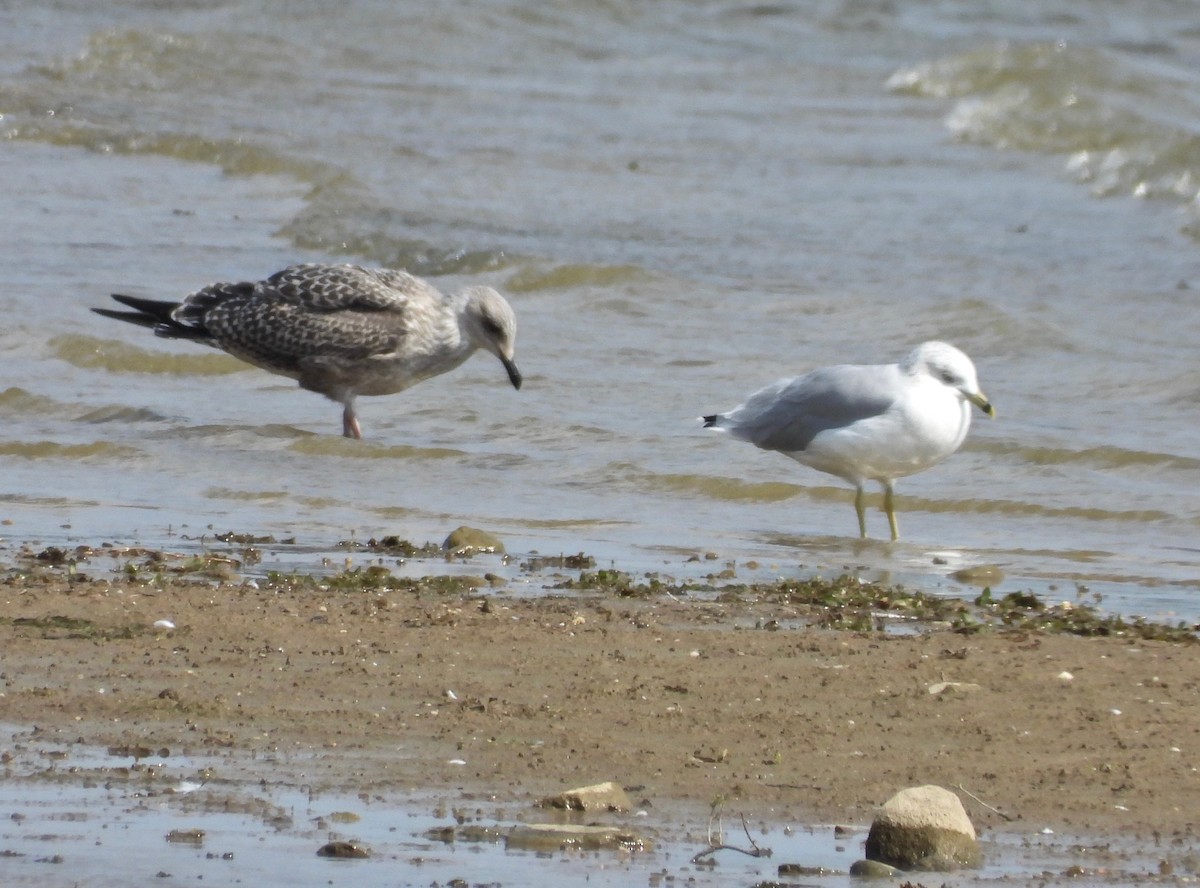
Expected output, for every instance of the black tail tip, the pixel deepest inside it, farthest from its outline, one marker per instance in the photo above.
(710, 420)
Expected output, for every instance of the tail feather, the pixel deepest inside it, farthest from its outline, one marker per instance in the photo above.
(711, 420)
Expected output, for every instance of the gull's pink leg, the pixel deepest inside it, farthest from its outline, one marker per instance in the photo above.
(350, 426)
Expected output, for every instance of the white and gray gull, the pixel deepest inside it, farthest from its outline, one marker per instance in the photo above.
(340, 330)
(866, 422)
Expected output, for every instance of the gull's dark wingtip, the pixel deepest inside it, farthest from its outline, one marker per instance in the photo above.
(710, 420)
(130, 317)
(155, 314)
(157, 309)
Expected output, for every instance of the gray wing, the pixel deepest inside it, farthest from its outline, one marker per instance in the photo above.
(787, 415)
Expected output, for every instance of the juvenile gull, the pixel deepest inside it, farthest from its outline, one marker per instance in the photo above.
(340, 330)
(864, 423)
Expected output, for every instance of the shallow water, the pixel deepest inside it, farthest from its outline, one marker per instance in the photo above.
(684, 201)
(79, 816)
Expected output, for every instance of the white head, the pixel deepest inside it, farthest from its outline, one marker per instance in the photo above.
(949, 366)
(489, 323)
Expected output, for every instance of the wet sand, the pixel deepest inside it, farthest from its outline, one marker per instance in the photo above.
(682, 699)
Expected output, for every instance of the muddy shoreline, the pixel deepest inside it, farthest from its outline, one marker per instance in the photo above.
(359, 681)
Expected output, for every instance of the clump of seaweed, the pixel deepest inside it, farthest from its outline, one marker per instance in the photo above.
(538, 563)
(618, 583)
(392, 546)
(366, 579)
(60, 626)
(1024, 611)
(374, 578)
(850, 603)
(288, 583)
(848, 592)
(250, 539)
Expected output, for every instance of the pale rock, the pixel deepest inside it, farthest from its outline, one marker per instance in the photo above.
(464, 541)
(924, 828)
(607, 796)
(546, 837)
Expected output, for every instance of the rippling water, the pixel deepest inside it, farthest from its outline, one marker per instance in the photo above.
(684, 201)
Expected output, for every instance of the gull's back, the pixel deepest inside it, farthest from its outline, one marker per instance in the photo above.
(787, 415)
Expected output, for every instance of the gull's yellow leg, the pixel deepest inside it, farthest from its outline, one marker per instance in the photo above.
(889, 506)
(860, 507)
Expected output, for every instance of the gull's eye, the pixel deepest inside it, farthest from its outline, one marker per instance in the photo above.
(491, 328)
(947, 377)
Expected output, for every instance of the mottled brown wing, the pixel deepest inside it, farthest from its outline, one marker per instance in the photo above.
(341, 287)
(284, 336)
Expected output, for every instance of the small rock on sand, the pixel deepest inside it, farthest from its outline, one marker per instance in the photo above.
(556, 836)
(470, 540)
(607, 796)
(872, 869)
(924, 828)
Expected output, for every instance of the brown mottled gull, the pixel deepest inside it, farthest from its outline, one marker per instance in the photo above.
(340, 330)
(865, 423)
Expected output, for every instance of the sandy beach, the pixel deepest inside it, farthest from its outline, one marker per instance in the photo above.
(737, 696)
